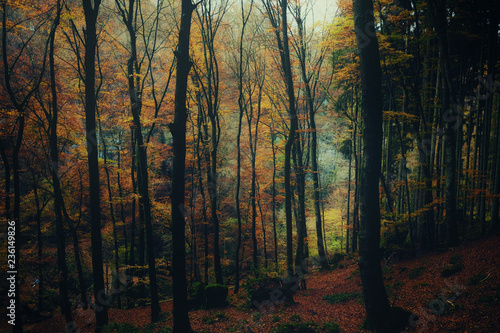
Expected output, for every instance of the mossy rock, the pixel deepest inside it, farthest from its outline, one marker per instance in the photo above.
(196, 296)
(216, 296)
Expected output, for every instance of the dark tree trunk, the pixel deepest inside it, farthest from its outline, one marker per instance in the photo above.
(19, 103)
(54, 154)
(450, 116)
(273, 193)
(242, 105)
(357, 157)
(91, 11)
(376, 302)
(178, 130)
(131, 257)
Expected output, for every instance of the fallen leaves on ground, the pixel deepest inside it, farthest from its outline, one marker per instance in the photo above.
(467, 301)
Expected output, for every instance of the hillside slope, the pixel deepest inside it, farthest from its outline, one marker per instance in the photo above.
(457, 290)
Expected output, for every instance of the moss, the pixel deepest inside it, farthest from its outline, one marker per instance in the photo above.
(216, 295)
(341, 297)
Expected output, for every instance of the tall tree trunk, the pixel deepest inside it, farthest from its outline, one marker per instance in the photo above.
(355, 149)
(376, 302)
(54, 154)
(273, 194)
(131, 257)
(450, 116)
(122, 199)
(279, 22)
(314, 148)
(178, 130)
(241, 105)
(135, 93)
(76, 248)
(91, 11)
(38, 219)
(348, 207)
(116, 279)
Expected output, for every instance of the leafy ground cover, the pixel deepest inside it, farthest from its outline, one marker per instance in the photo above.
(468, 300)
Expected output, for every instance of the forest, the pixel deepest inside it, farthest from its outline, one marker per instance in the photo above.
(173, 157)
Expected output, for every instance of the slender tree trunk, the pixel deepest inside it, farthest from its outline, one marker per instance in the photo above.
(178, 130)
(355, 217)
(348, 208)
(241, 105)
(288, 77)
(131, 258)
(91, 11)
(135, 93)
(76, 249)
(38, 218)
(54, 154)
(7, 180)
(122, 207)
(450, 116)
(116, 280)
(273, 193)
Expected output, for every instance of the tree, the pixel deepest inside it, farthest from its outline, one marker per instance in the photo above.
(448, 108)
(52, 117)
(20, 89)
(209, 78)
(178, 130)
(279, 22)
(309, 79)
(376, 302)
(129, 14)
(91, 12)
(242, 68)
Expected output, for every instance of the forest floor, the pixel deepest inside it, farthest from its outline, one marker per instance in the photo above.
(466, 301)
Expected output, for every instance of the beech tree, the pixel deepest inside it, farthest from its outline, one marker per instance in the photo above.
(91, 12)
(178, 130)
(22, 77)
(279, 22)
(376, 302)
